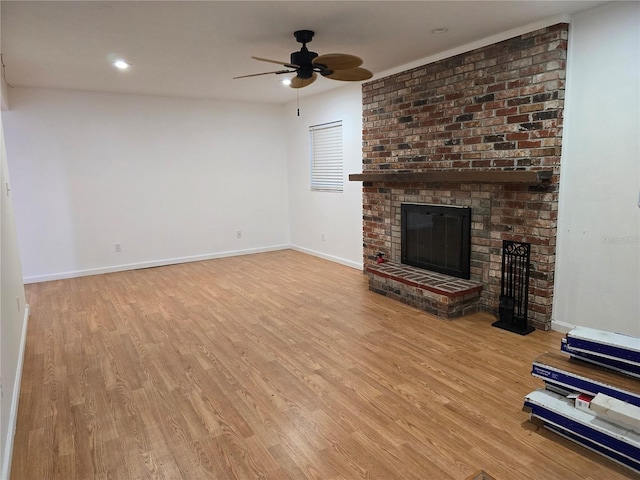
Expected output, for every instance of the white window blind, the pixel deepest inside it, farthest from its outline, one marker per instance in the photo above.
(326, 157)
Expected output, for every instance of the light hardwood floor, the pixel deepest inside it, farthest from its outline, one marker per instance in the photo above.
(274, 366)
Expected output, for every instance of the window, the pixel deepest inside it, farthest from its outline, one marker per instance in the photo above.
(326, 157)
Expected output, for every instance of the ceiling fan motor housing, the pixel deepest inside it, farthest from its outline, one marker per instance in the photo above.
(304, 57)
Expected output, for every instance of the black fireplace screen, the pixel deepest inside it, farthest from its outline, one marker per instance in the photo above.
(437, 238)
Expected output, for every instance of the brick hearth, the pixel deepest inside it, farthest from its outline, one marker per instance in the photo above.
(442, 295)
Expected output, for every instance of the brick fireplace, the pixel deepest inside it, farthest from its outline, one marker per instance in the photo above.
(494, 109)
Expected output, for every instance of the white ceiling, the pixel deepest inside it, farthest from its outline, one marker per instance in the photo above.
(183, 48)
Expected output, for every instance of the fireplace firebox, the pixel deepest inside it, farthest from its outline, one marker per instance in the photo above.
(437, 238)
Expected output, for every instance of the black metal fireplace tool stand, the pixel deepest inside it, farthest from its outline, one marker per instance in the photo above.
(514, 288)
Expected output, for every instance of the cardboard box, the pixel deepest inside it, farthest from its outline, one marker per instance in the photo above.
(583, 401)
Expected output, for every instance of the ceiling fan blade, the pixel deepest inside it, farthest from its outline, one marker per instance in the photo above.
(350, 75)
(338, 61)
(286, 64)
(297, 82)
(264, 73)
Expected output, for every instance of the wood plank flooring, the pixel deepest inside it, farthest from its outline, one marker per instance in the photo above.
(274, 366)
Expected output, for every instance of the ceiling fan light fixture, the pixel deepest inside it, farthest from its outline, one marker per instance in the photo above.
(286, 82)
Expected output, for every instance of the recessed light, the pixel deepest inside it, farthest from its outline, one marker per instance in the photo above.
(438, 31)
(121, 64)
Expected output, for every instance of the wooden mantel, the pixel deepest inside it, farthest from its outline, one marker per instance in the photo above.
(463, 176)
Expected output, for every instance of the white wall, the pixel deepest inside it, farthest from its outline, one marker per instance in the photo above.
(13, 316)
(598, 253)
(336, 215)
(169, 179)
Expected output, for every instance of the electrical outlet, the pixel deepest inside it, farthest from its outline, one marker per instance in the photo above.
(239, 234)
(117, 247)
(323, 237)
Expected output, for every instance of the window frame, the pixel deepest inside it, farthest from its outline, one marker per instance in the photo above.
(326, 157)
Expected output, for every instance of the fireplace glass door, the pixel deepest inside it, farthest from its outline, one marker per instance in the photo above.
(437, 238)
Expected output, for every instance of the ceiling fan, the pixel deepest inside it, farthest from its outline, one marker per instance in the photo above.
(307, 65)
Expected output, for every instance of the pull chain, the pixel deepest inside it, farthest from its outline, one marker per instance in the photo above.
(4, 73)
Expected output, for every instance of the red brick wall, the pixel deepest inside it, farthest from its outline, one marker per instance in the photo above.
(495, 108)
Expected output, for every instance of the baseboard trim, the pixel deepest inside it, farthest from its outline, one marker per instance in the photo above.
(150, 264)
(561, 327)
(331, 258)
(15, 400)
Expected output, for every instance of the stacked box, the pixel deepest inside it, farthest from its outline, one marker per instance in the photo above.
(559, 415)
(576, 377)
(592, 396)
(611, 350)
